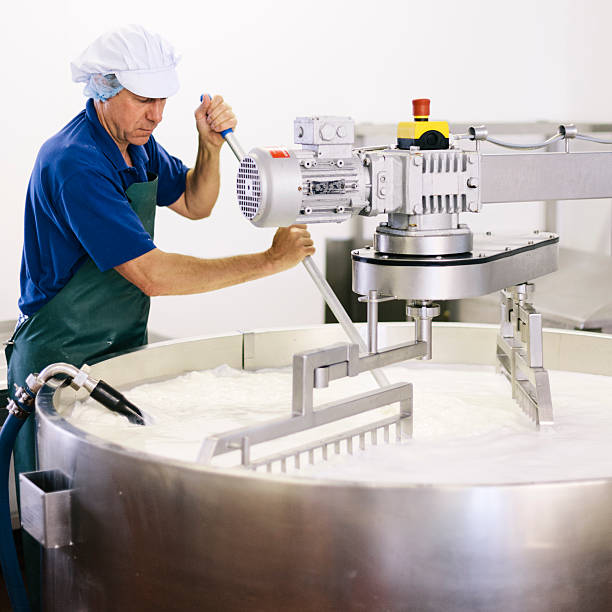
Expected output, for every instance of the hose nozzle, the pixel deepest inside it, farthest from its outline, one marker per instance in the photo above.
(102, 392)
(117, 402)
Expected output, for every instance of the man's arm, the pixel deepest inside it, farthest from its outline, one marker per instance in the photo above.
(160, 273)
(202, 182)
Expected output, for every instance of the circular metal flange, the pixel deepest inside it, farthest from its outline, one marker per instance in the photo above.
(422, 310)
(496, 263)
(419, 242)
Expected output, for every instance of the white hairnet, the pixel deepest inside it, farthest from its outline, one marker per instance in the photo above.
(102, 86)
(141, 61)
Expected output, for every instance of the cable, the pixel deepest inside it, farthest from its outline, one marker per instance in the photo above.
(593, 139)
(509, 145)
(566, 133)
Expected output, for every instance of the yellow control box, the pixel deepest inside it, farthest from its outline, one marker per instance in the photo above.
(423, 134)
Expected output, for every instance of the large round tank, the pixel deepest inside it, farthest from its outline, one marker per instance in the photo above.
(156, 534)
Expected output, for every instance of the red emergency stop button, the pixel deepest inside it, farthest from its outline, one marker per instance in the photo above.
(420, 107)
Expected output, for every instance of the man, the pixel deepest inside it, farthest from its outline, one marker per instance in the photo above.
(89, 262)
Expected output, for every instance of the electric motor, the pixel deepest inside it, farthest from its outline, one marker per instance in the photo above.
(321, 183)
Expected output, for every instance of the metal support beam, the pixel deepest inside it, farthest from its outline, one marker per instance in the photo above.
(533, 177)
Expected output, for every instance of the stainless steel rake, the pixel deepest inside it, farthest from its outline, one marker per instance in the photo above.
(315, 369)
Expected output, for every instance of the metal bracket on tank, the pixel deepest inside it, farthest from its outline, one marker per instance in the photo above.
(46, 500)
(316, 369)
(520, 354)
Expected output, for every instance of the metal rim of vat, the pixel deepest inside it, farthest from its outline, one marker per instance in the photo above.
(45, 409)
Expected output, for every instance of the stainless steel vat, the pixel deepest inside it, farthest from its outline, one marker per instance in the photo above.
(154, 534)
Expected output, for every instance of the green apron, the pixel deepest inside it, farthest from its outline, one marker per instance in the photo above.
(94, 315)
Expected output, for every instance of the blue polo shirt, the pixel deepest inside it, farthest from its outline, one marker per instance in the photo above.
(76, 205)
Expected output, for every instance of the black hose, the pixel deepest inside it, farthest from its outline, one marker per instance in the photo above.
(113, 400)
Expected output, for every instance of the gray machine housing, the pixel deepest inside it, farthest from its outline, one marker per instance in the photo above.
(327, 181)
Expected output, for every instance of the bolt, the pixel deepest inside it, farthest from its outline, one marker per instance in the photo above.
(382, 178)
(341, 131)
(327, 132)
(530, 242)
(300, 188)
(536, 232)
(382, 191)
(339, 163)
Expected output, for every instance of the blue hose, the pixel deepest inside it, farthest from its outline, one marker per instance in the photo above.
(8, 554)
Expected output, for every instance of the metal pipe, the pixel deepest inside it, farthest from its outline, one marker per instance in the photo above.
(423, 334)
(234, 145)
(78, 377)
(423, 313)
(372, 321)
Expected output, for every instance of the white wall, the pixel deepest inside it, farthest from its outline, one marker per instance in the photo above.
(274, 60)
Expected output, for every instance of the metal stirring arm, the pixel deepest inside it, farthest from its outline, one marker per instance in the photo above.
(520, 354)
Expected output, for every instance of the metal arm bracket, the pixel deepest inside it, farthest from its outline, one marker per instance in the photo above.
(520, 355)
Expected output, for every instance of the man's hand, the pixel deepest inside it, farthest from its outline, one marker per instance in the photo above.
(214, 116)
(202, 183)
(290, 246)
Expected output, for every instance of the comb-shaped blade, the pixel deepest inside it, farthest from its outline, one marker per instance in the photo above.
(342, 443)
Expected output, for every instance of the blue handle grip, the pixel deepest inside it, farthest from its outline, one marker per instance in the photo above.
(224, 133)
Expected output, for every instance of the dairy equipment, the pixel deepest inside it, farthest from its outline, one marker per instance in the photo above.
(154, 533)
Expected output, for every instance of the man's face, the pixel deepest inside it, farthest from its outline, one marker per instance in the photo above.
(130, 118)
